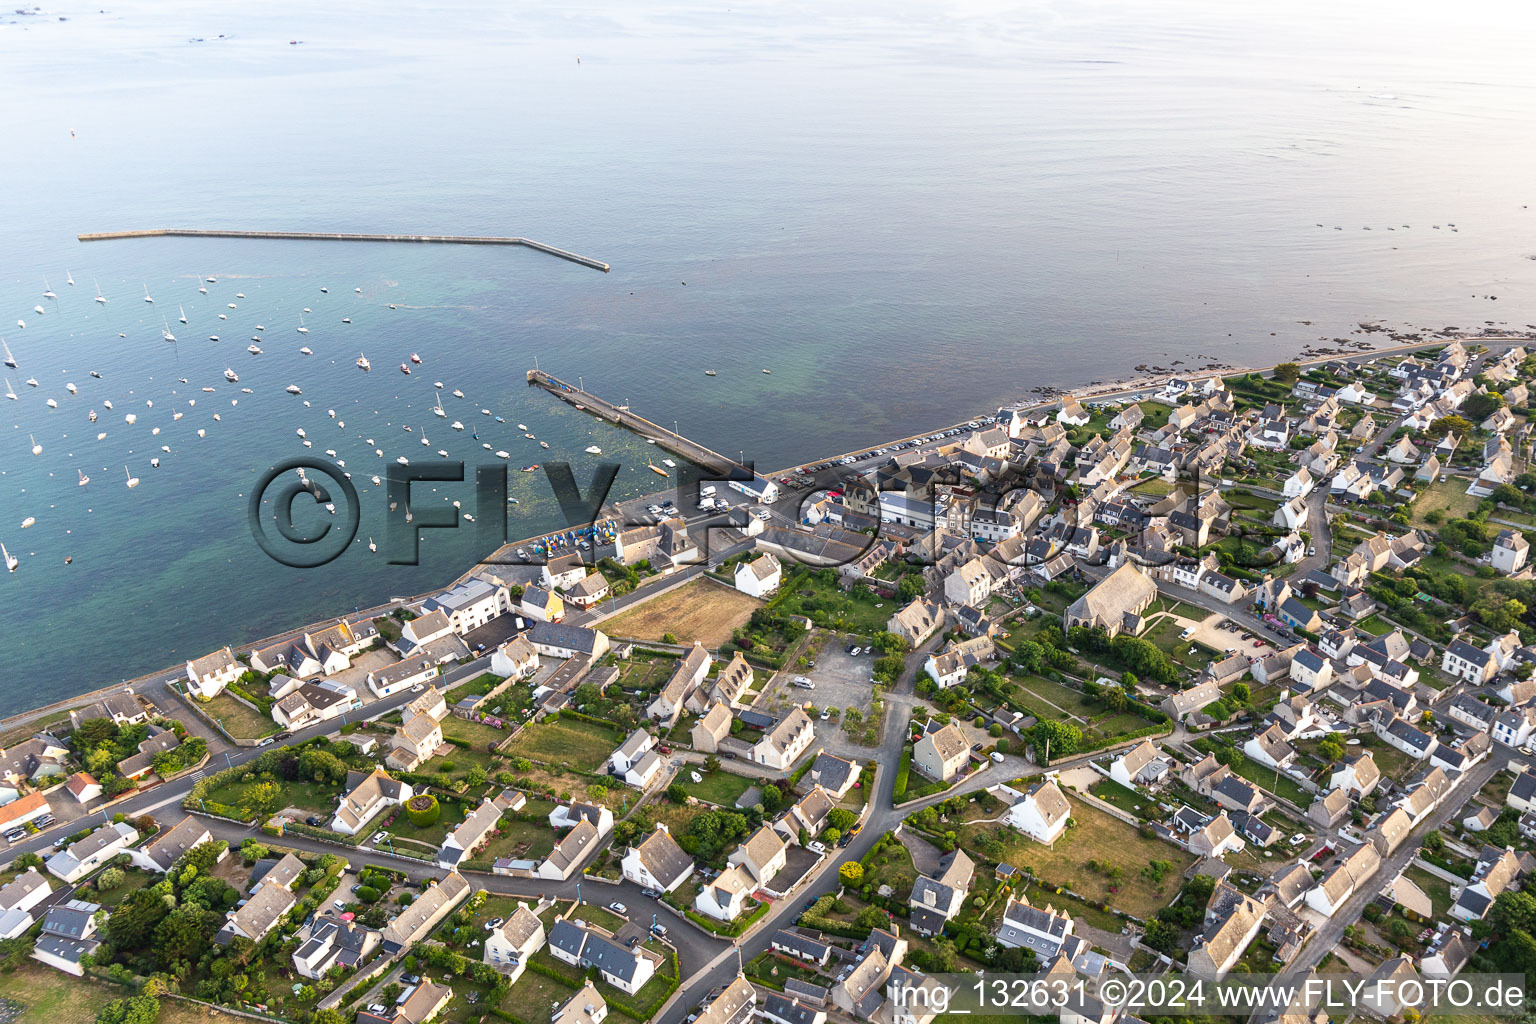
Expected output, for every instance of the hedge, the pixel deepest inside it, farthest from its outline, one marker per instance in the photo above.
(639, 1012)
(903, 767)
(730, 931)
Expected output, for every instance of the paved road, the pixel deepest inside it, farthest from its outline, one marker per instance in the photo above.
(171, 794)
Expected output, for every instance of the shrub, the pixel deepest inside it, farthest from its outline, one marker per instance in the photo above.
(423, 810)
(851, 873)
(111, 878)
(367, 894)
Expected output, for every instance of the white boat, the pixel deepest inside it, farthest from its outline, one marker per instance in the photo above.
(99, 297)
(166, 332)
(503, 454)
(11, 561)
(405, 369)
(201, 432)
(324, 290)
(442, 453)
(261, 327)
(71, 389)
(438, 384)
(331, 452)
(239, 295)
(223, 317)
(10, 392)
(414, 357)
(22, 324)
(212, 280)
(293, 389)
(27, 522)
(183, 314)
(202, 289)
(231, 376)
(37, 449)
(31, 382)
(133, 481)
(52, 403)
(669, 463)
(437, 410)
(300, 432)
(309, 444)
(253, 350)
(96, 374)
(233, 306)
(543, 444)
(403, 460)
(457, 425)
(522, 426)
(107, 402)
(39, 310)
(213, 337)
(457, 393)
(305, 351)
(371, 545)
(363, 363)
(147, 297)
(92, 416)
(101, 436)
(48, 290)
(10, 360)
(301, 328)
(358, 290)
(130, 419)
(485, 412)
(593, 449)
(70, 278)
(346, 319)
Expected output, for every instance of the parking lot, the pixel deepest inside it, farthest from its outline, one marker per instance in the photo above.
(842, 681)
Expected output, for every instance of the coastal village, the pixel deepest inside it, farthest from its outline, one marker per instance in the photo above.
(1223, 675)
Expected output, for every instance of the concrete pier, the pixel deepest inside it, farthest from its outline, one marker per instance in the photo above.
(620, 415)
(339, 236)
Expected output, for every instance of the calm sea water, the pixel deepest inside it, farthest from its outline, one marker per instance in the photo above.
(908, 214)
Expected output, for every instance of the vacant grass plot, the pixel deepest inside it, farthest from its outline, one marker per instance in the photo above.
(1132, 873)
(720, 788)
(701, 610)
(579, 744)
(238, 720)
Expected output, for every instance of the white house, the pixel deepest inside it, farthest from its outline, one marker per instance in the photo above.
(563, 571)
(515, 659)
(68, 936)
(79, 859)
(725, 897)
(1127, 768)
(1298, 484)
(1040, 812)
(367, 795)
(1509, 552)
(1465, 661)
(402, 675)
(760, 576)
(657, 862)
(207, 676)
(24, 892)
(461, 843)
(782, 745)
(625, 967)
(509, 946)
(635, 760)
(1027, 927)
(762, 856)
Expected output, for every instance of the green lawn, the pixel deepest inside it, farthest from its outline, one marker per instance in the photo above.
(1128, 864)
(316, 797)
(1129, 801)
(1437, 889)
(828, 606)
(576, 743)
(526, 840)
(238, 720)
(721, 788)
(133, 878)
(1265, 778)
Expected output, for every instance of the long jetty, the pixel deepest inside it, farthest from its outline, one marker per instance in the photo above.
(671, 440)
(344, 236)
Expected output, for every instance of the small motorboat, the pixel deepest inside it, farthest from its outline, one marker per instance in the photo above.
(293, 389)
(415, 358)
(405, 369)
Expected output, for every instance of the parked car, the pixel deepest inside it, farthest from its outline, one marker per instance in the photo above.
(618, 908)
(996, 757)
(379, 837)
(411, 979)
(651, 894)
(314, 821)
(659, 930)
(817, 847)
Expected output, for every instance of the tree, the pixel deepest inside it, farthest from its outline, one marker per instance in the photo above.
(1331, 748)
(887, 642)
(1449, 425)
(597, 792)
(135, 919)
(910, 588)
(1481, 404)
(131, 1010)
(1287, 373)
(475, 777)
(773, 798)
(183, 934)
(888, 669)
(851, 873)
(367, 894)
(831, 836)
(252, 850)
(1060, 739)
(677, 794)
(712, 763)
(423, 810)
